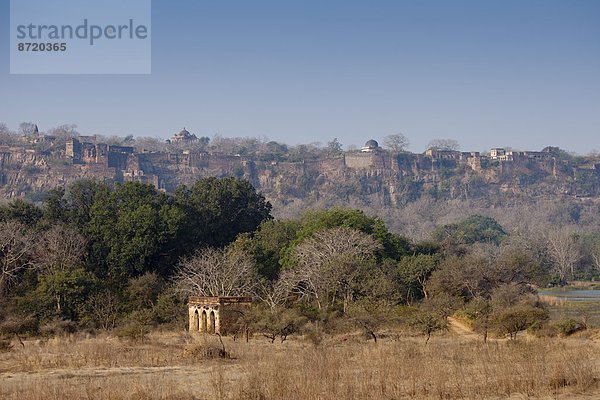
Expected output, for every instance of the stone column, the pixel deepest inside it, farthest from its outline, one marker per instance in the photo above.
(191, 314)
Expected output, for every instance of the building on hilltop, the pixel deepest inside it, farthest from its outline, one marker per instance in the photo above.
(502, 154)
(36, 137)
(86, 150)
(371, 156)
(183, 137)
(370, 147)
(443, 154)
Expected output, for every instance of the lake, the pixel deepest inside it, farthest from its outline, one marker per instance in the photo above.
(573, 295)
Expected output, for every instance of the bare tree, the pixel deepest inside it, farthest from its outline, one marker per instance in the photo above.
(334, 148)
(102, 309)
(27, 128)
(396, 142)
(16, 247)
(328, 264)
(7, 137)
(595, 253)
(64, 131)
(444, 144)
(562, 247)
(273, 294)
(60, 248)
(216, 272)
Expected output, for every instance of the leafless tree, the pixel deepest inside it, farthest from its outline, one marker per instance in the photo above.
(396, 142)
(595, 253)
(60, 248)
(273, 294)
(64, 131)
(562, 248)
(216, 272)
(16, 248)
(328, 263)
(26, 128)
(444, 144)
(103, 309)
(7, 137)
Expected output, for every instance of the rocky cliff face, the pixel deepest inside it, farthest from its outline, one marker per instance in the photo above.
(378, 180)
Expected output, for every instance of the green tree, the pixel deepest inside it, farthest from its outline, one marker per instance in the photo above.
(512, 320)
(269, 244)
(143, 291)
(55, 205)
(416, 270)
(132, 230)
(81, 196)
(217, 210)
(428, 322)
(393, 246)
(21, 211)
(67, 290)
(474, 229)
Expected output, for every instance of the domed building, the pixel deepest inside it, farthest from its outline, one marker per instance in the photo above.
(183, 137)
(370, 146)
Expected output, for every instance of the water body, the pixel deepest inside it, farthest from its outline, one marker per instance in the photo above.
(573, 295)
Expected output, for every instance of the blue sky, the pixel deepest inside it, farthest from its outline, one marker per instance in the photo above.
(522, 73)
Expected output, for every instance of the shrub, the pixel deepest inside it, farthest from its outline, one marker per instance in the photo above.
(210, 347)
(17, 325)
(427, 322)
(314, 333)
(58, 326)
(277, 323)
(205, 351)
(5, 345)
(568, 326)
(138, 324)
(514, 319)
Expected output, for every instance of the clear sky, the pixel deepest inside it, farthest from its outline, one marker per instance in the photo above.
(519, 73)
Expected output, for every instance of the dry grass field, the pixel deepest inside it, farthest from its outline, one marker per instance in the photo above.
(176, 366)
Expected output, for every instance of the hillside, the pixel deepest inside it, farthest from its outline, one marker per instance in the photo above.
(371, 179)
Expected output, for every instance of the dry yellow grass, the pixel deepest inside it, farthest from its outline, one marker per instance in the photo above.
(394, 368)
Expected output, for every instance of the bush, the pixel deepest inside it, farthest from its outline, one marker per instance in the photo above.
(17, 325)
(210, 347)
(277, 323)
(58, 326)
(514, 319)
(170, 310)
(205, 352)
(427, 322)
(567, 326)
(137, 325)
(136, 330)
(5, 345)
(314, 333)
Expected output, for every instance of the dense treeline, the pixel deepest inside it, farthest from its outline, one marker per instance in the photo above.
(95, 256)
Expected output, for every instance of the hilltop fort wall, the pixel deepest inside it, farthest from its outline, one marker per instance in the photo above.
(372, 171)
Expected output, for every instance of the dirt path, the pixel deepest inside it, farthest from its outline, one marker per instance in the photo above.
(461, 329)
